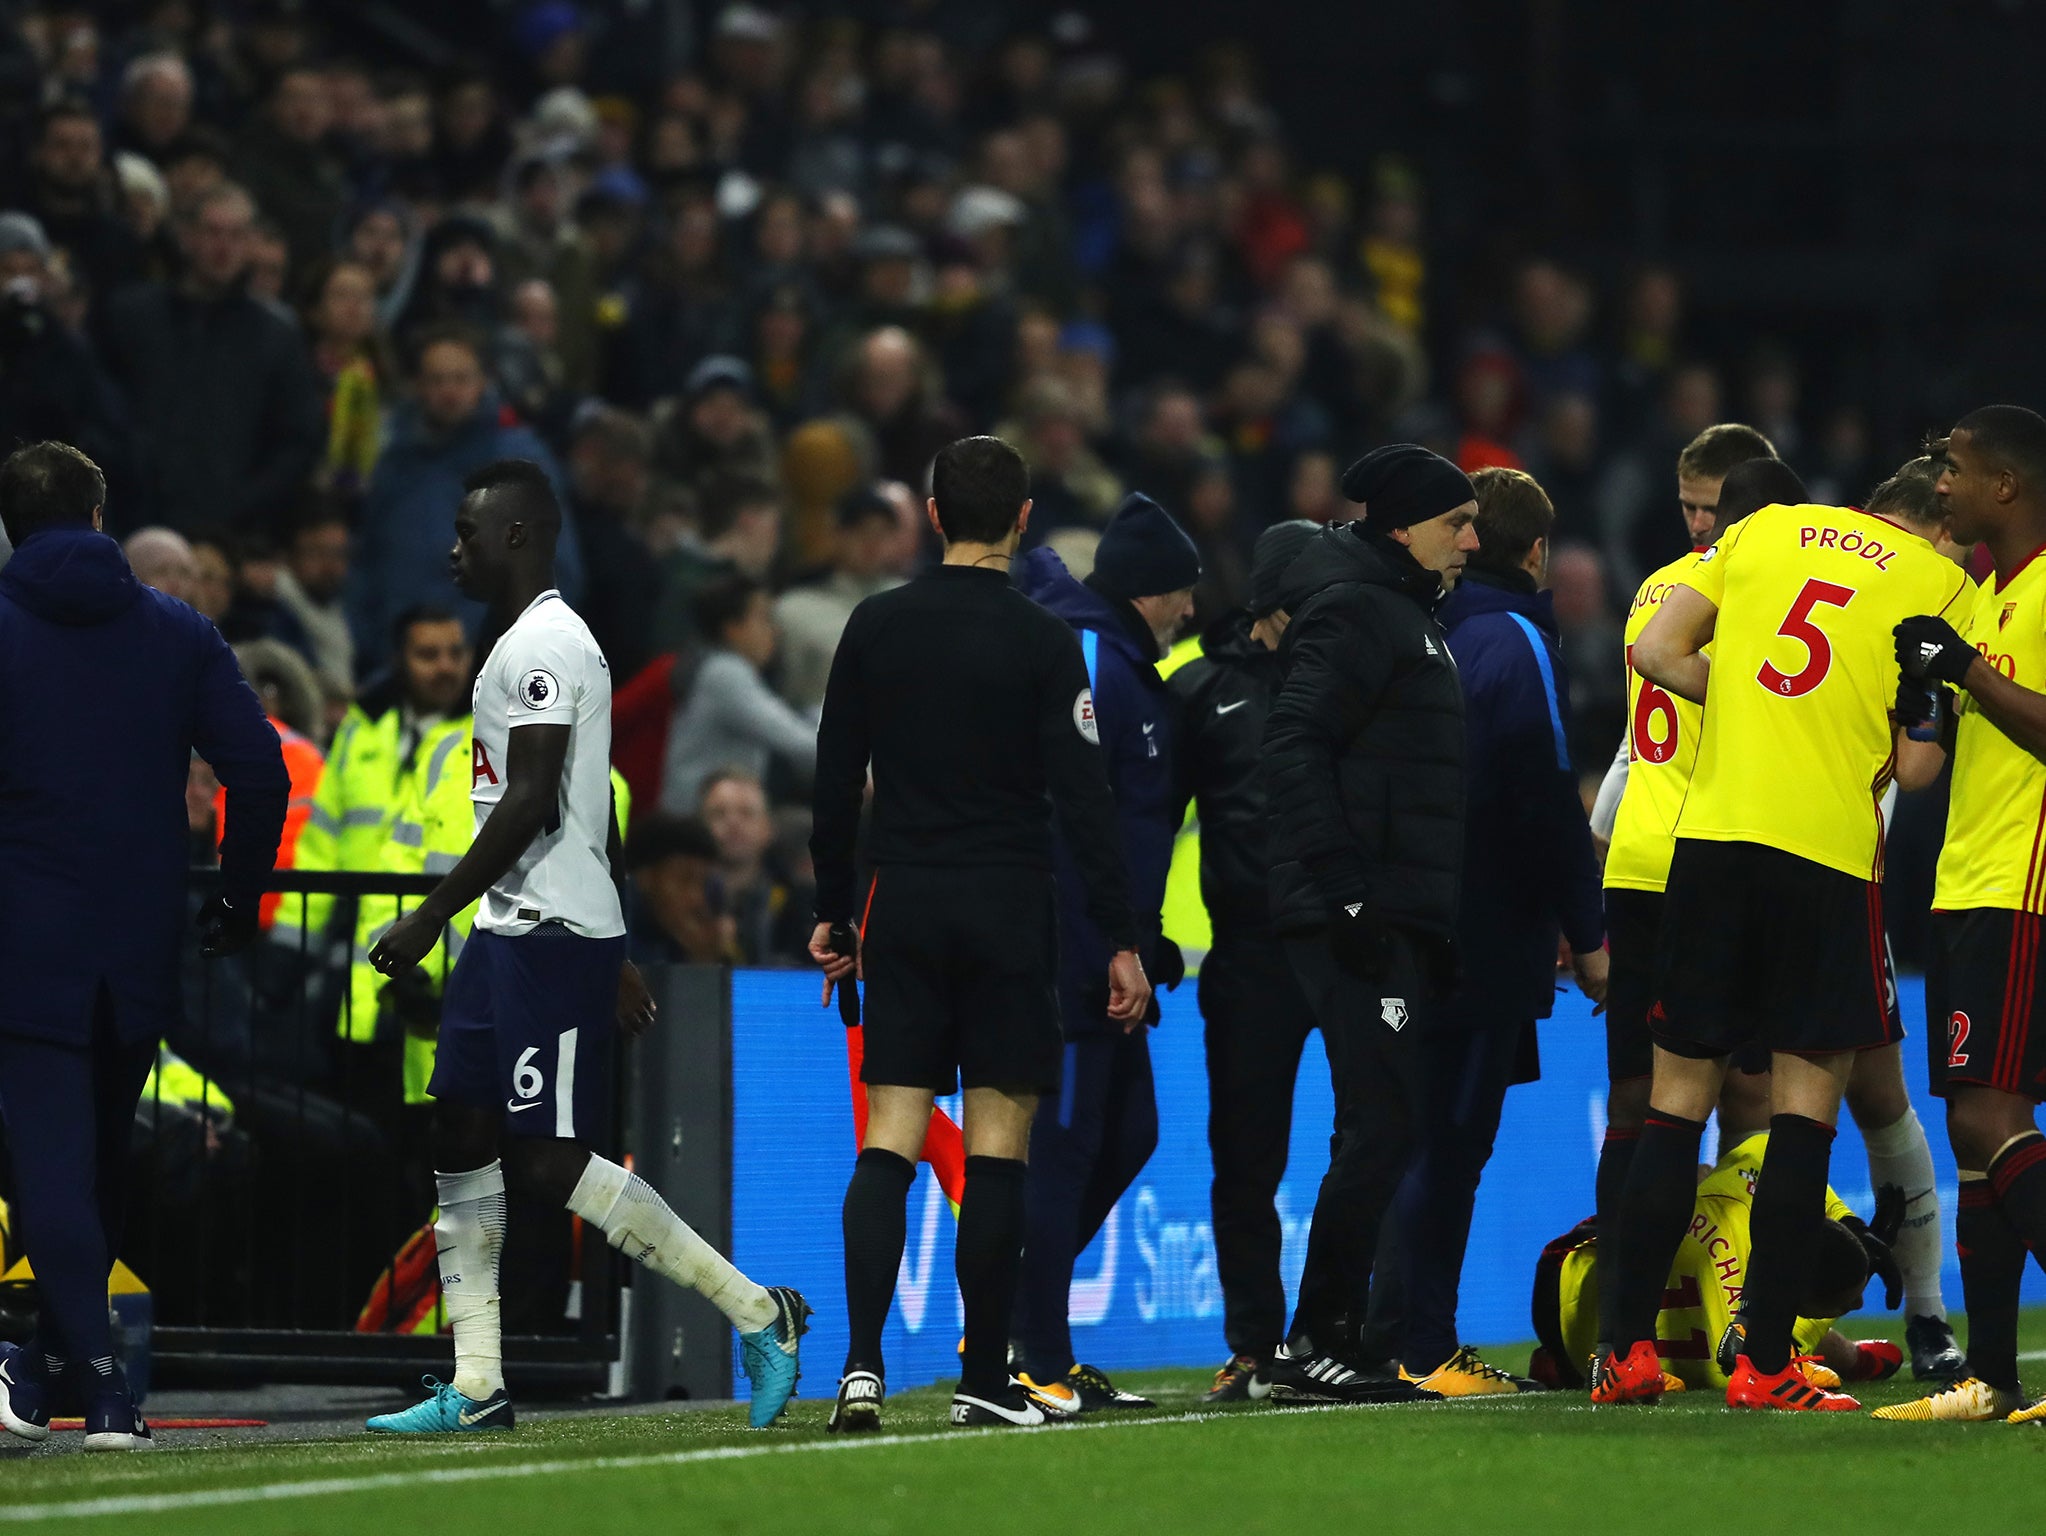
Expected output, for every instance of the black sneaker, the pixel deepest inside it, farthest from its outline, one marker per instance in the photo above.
(858, 1409)
(1097, 1392)
(1306, 1377)
(1011, 1408)
(1236, 1382)
(1934, 1354)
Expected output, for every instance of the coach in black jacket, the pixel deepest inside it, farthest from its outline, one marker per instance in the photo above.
(1257, 1022)
(1364, 762)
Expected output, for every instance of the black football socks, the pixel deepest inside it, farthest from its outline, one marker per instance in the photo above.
(1654, 1208)
(988, 1261)
(876, 1226)
(1992, 1269)
(1790, 1203)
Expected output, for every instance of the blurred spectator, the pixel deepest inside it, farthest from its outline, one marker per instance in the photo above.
(70, 191)
(891, 392)
(1552, 315)
(812, 616)
(1589, 635)
(725, 715)
(353, 368)
(269, 269)
(213, 576)
(220, 386)
(541, 241)
(381, 240)
(1489, 398)
(712, 430)
(675, 921)
(155, 105)
(161, 558)
(781, 333)
(283, 160)
(738, 531)
(1565, 459)
(51, 385)
(452, 427)
(310, 589)
(1314, 492)
(770, 912)
(1069, 484)
(1172, 447)
(609, 458)
(680, 310)
(1772, 404)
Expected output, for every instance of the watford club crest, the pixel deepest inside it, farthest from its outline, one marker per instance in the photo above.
(2004, 617)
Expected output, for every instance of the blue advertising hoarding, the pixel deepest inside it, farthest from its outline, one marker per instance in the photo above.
(1146, 1293)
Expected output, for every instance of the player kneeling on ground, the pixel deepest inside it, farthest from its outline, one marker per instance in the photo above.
(1701, 1302)
(534, 1004)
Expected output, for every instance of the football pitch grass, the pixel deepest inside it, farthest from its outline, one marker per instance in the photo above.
(1536, 1463)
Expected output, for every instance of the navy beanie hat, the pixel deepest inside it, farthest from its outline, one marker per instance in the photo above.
(1143, 552)
(1403, 483)
(1276, 550)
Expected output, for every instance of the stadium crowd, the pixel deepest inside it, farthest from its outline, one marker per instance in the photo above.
(734, 290)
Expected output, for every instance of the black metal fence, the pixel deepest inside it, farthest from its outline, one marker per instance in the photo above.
(280, 1174)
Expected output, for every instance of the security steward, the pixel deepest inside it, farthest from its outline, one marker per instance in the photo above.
(111, 688)
(384, 743)
(1090, 1143)
(972, 707)
(1256, 1019)
(1364, 763)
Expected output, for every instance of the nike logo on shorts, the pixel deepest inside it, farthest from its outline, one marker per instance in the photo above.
(513, 1109)
(1223, 709)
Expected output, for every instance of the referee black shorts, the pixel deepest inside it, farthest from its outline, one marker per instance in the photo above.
(1763, 948)
(961, 979)
(1985, 1016)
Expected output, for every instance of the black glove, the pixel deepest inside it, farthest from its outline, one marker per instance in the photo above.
(1922, 708)
(1881, 1262)
(1168, 967)
(1357, 940)
(226, 930)
(845, 941)
(1888, 1219)
(1931, 648)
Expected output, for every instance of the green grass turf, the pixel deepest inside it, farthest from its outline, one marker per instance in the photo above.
(1535, 1464)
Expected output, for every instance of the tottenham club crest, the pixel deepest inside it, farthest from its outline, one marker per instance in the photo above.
(1394, 1011)
(537, 689)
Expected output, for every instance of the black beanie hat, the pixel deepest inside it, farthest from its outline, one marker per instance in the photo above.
(1276, 549)
(1143, 552)
(1403, 483)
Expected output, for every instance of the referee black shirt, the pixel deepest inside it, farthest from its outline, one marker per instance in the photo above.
(972, 705)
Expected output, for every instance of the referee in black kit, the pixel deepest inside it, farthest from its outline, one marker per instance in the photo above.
(970, 702)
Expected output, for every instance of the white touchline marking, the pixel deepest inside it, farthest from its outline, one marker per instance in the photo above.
(373, 1482)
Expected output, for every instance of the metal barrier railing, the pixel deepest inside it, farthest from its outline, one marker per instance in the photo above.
(280, 1172)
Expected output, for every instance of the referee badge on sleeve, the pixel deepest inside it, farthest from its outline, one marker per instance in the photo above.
(1083, 716)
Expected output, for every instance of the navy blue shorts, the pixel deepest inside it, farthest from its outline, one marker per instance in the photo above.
(528, 1023)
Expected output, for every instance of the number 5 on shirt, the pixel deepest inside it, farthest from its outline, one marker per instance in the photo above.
(1798, 626)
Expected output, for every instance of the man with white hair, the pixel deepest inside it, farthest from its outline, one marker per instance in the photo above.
(156, 104)
(161, 558)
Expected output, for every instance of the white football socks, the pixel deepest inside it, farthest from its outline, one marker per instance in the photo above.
(637, 1222)
(469, 1233)
(1898, 1154)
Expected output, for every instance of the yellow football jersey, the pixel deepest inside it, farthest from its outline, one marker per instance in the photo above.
(1995, 852)
(1797, 746)
(1705, 1280)
(1662, 747)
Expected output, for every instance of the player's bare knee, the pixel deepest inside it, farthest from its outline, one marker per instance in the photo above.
(1627, 1104)
(998, 1122)
(1685, 1086)
(1980, 1120)
(1876, 1095)
(1809, 1086)
(548, 1169)
(464, 1139)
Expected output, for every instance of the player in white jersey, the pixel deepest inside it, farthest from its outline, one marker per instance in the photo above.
(534, 1005)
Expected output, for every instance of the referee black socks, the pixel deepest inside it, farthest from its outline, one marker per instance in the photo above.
(876, 1226)
(1992, 1269)
(989, 1259)
(1654, 1209)
(1790, 1203)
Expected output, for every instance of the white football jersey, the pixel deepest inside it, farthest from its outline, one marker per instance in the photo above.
(547, 670)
